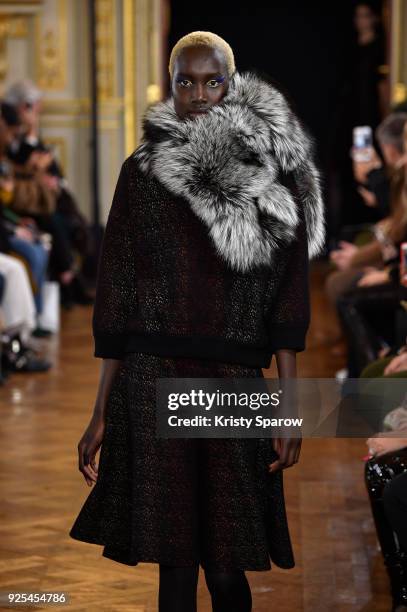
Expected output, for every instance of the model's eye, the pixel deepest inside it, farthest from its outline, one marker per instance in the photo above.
(214, 83)
(184, 82)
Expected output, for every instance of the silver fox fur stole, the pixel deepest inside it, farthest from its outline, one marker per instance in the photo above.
(226, 164)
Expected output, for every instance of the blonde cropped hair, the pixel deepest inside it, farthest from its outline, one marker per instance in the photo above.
(207, 39)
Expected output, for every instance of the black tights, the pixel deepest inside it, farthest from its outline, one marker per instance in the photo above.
(230, 591)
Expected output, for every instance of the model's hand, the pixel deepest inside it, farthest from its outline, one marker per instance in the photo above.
(88, 447)
(289, 453)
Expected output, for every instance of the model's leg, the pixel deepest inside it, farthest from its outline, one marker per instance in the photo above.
(177, 590)
(230, 591)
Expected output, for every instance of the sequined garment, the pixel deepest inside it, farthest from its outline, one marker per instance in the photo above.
(181, 501)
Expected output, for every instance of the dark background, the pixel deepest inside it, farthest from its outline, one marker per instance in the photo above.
(305, 47)
(302, 45)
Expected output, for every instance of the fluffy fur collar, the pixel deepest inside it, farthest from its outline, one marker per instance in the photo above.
(227, 164)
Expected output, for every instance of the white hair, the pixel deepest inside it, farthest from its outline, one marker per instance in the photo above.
(22, 92)
(206, 39)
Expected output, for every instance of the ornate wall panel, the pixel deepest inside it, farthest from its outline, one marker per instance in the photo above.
(48, 42)
(399, 50)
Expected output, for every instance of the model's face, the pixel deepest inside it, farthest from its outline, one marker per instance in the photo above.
(200, 80)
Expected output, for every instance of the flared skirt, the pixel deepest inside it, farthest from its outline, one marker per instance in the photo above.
(182, 501)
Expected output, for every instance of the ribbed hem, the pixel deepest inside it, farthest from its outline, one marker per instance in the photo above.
(215, 349)
(288, 336)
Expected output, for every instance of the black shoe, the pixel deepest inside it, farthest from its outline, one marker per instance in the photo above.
(40, 332)
(29, 362)
(16, 357)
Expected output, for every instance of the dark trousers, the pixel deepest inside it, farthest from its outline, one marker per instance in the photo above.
(367, 316)
(395, 505)
(61, 257)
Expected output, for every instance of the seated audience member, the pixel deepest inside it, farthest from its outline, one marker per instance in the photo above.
(18, 316)
(368, 320)
(16, 236)
(64, 221)
(33, 200)
(367, 315)
(388, 498)
(76, 233)
(373, 176)
(394, 365)
(351, 259)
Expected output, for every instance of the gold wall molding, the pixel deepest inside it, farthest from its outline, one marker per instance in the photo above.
(80, 106)
(51, 48)
(21, 3)
(399, 93)
(80, 122)
(106, 48)
(129, 68)
(398, 70)
(11, 26)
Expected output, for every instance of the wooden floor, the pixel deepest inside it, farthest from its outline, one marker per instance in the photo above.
(339, 566)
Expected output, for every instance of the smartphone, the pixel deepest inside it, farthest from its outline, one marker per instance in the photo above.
(362, 143)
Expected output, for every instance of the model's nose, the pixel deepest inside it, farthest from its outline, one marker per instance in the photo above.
(199, 93)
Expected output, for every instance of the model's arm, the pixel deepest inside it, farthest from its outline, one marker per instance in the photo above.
(288, 449)
(288, 325)
(108, 372)
(115, 302)
(92, 439)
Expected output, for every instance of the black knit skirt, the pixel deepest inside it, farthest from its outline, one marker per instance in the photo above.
(182, 501)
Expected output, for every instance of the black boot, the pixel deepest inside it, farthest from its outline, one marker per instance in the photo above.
(17, 357)
(396, 565)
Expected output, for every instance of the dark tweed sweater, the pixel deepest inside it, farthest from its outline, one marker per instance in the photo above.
(175, 282)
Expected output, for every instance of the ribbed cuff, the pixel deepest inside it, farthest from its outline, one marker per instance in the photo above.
(200, 347)
(288, 336)
(110, 346)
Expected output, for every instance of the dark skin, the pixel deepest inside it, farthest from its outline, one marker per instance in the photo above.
(200, 80)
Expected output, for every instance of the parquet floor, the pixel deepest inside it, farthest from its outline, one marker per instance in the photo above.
(338, 567)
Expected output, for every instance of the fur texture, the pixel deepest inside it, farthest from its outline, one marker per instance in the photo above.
(226, 164)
